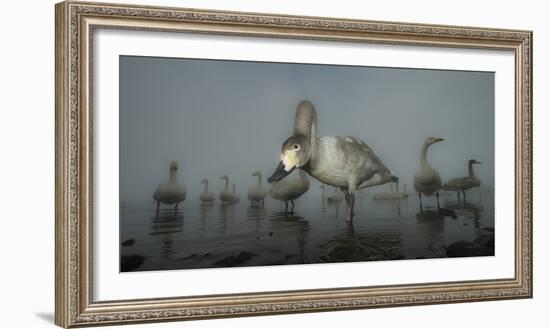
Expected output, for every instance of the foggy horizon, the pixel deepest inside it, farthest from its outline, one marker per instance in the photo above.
(218, 117)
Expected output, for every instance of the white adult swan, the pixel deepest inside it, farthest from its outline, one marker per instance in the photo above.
(226, 196)
(257, 193)
(464, 183)
(235, 196)
(205, 196)
(289, 188)
(170, 193)
(427, 180)
(344, 162)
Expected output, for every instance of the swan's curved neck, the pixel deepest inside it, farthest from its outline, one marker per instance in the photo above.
(471, 170)
(305, 123)
(205, 185)
(259, 179)
(424, 156)
(173, 176)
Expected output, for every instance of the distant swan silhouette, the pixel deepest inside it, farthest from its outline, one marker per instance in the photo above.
(205, 196)
(344, 162)
(427, 180)
(335, 196)
(170, 193)
(226, 196)
(393, 194)
(257, 193)
(464, 183)
(289, 189)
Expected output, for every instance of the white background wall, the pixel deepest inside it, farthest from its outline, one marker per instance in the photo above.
(27, 161)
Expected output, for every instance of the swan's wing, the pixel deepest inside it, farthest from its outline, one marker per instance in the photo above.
(457, 183)
(357, 148)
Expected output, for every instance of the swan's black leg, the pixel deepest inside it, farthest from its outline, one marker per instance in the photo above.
(292, 202)
(463, 195)
(420, 200)
(437, 196)
(351, 204)
(158, 205)
(286, 206)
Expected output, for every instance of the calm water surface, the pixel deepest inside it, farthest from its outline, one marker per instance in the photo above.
(212, 235)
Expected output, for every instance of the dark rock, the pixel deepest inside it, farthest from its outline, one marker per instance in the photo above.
(230, 261)
(271, 233)
(129, 242)
(486, 240)
(289, 256)
(130, 262)
(244, 256)
(468, 249)
(489, 229)
(227, 261)
(340, 252)
(189, 257)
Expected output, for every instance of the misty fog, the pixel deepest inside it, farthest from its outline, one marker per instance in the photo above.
(230, 118)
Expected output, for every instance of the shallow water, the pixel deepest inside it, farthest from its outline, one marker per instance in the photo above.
(212, 235)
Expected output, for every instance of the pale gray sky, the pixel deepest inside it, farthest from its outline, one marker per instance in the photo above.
(230, 117)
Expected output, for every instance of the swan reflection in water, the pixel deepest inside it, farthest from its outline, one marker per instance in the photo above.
(351, 245)
(291, 226)
(204, 236)
(164, 226)
(470, 210)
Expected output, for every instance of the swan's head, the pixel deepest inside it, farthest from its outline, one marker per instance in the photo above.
(257, 173)
(224, 177)
(294, 154)
(473, 161)
(173, 166)
(433, 140)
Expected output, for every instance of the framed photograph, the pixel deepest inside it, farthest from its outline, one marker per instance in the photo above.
(217, 164)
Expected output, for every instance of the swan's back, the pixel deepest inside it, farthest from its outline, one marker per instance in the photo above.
(207, 197)
(170, 193)
(340, 158)
(290, 187)
(460, 184)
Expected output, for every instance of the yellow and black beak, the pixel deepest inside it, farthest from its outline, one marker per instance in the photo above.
(279, 173)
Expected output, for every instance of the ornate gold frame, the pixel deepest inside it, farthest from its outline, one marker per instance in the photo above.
(75, 23)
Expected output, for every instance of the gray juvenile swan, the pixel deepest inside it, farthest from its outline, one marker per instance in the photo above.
(464, 183)
(427, 180)
(226, 196)
(205, 196)
(257, 193)
(170, 193)
(289, 189)
(344, 162)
